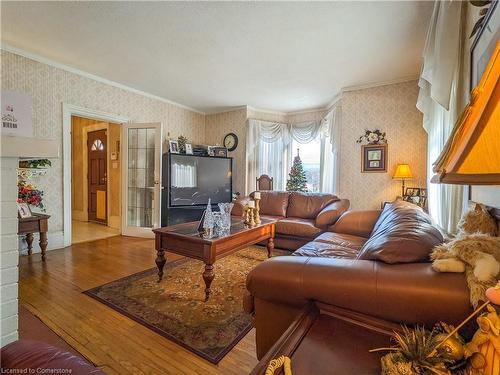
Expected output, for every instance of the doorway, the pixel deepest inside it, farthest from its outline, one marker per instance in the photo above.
(97, 176)
(95, 179)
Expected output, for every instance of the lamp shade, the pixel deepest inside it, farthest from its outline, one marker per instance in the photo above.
(402, 172)
(471, 156)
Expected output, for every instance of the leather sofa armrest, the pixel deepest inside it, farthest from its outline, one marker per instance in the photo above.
(404, 293)
(239, 206)
(331, 213)
(357, 223)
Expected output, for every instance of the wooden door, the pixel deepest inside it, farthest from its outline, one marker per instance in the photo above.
(97, 178)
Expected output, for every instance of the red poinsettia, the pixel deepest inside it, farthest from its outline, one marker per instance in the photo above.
(29, 194)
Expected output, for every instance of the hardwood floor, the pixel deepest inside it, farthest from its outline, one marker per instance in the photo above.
(118, 345)
(84, 231)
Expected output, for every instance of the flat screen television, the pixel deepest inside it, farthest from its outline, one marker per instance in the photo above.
(195, 179)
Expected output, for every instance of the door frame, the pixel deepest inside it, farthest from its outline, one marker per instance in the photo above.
(142, 231)
(69, 110)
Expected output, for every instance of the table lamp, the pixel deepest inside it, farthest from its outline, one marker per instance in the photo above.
(402, 173)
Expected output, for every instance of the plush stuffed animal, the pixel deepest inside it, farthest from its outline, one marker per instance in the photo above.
(479, 251)
(475, 251)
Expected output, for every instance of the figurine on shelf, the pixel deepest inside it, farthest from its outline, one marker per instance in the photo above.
(484, 348)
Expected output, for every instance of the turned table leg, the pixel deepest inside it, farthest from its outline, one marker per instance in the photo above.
(160, 262)
(270, 247)
(208, 276)
(29, 241)
(43, 243)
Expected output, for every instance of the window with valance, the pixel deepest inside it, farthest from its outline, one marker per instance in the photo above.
(271, 147)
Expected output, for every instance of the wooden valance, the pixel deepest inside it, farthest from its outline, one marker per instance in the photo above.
(472, 154)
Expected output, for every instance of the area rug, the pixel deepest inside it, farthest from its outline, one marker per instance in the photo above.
(175, 307)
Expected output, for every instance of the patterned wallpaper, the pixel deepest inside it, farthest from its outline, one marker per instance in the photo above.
(50, 87)
(217, 126)
(390, 108)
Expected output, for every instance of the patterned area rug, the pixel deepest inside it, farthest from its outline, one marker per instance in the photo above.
(175, 307)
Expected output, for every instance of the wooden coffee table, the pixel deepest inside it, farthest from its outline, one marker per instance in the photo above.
(184, 239)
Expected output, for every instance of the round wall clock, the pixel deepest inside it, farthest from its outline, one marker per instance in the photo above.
(231, 141)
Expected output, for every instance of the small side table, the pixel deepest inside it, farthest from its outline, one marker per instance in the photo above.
(36, 223)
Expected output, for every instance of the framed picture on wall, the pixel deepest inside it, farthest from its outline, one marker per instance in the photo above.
(481, 51)
(374, 158)
(484, 44)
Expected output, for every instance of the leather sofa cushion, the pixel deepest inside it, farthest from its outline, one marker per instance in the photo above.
(273, 203)
(403, 234)
(297, 227)
(341, 239)
(26, 354)
(326, 250)
(330, 214)
(308, 205)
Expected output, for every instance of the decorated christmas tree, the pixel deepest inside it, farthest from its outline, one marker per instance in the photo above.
(297, 177)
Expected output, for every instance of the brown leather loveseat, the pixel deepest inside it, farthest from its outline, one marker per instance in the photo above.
(301, 216)
(371, 267)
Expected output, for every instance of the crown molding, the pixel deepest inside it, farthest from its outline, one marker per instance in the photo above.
(267, 111)
(379, 83)
(230, 109)
(44, 60)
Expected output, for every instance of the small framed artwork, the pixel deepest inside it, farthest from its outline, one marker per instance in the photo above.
(374, 158)
(412, 192)
(174, 146)
(220, 151)
(211, 150)
(423, 192)
(189, 149)
(24, 210)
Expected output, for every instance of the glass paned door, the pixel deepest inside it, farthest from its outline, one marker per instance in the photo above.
(142, 177)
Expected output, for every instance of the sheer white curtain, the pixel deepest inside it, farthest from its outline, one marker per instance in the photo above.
(438, 102)
(306, 132)
(330, 151)
(269, 149)
(267, 152)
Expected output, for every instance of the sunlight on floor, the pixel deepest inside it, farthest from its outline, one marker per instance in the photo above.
(86, 231)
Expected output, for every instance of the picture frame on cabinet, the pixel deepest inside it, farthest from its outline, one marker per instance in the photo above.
(173, 146)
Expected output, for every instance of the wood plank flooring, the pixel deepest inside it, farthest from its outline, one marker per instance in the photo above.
(118, 345)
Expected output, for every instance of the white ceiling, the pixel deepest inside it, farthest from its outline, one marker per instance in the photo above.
(212, 56)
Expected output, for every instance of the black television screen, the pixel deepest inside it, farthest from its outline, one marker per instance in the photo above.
(195, 179)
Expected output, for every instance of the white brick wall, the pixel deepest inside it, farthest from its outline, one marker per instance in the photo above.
(9, 255)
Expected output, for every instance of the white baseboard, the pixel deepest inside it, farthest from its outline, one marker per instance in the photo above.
(55, 241)
(114, 222)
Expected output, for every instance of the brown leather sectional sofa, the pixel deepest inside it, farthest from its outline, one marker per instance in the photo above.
(301, 216)
(370, 267)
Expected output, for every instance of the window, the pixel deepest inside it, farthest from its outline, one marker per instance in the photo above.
(97, 145)
(272, 146)
(310, 154)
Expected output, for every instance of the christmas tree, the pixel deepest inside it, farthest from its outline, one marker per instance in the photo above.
(297, 176)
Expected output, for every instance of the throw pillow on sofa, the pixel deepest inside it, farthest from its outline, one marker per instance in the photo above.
(402, 234)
